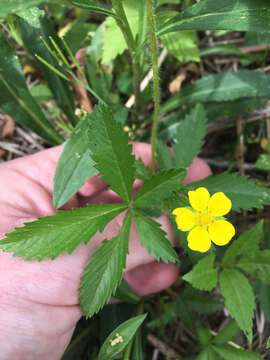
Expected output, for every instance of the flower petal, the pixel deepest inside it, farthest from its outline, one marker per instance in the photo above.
(221, 232)
(219, 204)
(199, 198)
(185, 218)
(199, 239)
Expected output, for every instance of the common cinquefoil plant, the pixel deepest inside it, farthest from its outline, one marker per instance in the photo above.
(233, 268)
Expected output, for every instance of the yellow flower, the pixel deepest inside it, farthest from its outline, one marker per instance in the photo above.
(204, 219)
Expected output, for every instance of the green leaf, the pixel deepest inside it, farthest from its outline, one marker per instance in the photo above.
(227, 333)
(153, 238)
(190, 135)
(204, 304)
(207, 354)
(268, 343)
(263, 162)
(14, 6)
(181, 44)
(231, 353)
(111, 151)
(164, 156)
(138, 346)
(239, 298)
(243, 15)
(99, 74)
(204, 337)
(15, 98)
(263, 292)
(92, 5)
(104, 271)
(221, 87)
(126, 294)
(170, 312)
(34, 45)
(244, 192)
(112, 31)
(141, 171)
(126, 330)
(257, 264)
(159, 187)
(246, 244)
(32, 15)
(50, 236)
(203, 276)
(74, 166)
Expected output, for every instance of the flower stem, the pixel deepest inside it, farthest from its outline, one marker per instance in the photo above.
(131, 44)
(154, 55)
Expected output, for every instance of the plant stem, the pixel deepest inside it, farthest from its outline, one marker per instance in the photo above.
(154, 55)
(123, 24)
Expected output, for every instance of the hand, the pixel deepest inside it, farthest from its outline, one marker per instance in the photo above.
(39, 305)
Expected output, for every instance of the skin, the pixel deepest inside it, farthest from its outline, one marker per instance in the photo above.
(39, 305)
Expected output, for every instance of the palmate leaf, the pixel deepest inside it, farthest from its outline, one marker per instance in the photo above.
(221, 87)
(246, 244)
(126, 330)
(111, 151)
(203, 276)
(74, 166)
(159, 187)
(244, 192)
(50, 236)
(153, 238)
(104, 271)
(239, 298)
(190, 134)
(240, 15)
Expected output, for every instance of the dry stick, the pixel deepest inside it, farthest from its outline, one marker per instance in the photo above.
(241, 146)
(222, 126)
(254, 48)
(163, 348)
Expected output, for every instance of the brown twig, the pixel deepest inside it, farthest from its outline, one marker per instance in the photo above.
(163, 348)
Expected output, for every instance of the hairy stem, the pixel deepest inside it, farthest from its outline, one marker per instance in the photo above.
(154, 55)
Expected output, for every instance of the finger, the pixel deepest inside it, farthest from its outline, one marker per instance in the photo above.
(40, 169)
(153, 277)
(198, 170)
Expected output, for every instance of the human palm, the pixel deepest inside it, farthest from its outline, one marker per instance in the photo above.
(39, 300)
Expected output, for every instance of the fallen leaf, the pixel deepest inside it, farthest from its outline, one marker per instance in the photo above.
(8, 127)
(176, 84)
(80, 92)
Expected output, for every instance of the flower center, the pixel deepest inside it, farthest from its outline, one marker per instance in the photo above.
(204, 219)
